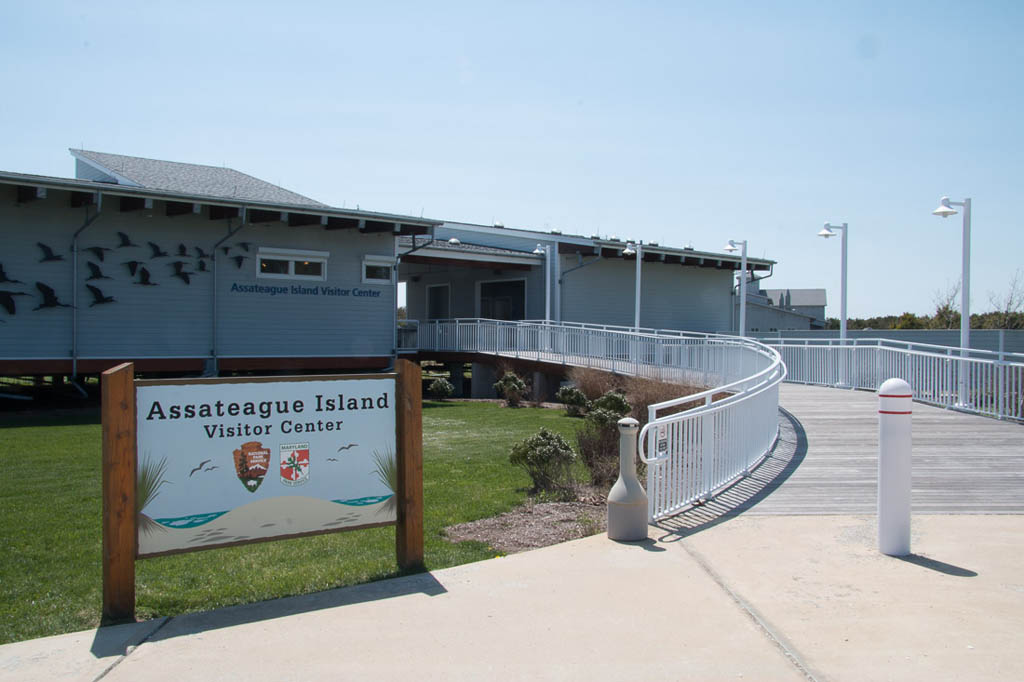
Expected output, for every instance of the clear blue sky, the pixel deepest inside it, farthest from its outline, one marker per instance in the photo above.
(678, 122)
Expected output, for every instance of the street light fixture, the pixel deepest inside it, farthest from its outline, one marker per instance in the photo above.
(731, 246)
(945, 210)
(827, 232)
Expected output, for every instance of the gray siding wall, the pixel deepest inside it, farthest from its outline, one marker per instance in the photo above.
(672, 296)
(464, 288)
(761, 319)
(175, 319)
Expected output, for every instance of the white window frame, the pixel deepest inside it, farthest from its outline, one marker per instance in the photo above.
(379, 261)
(292, 255)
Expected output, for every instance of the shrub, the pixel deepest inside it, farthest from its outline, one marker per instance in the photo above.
(511, 388)
(547, 458)
(642, 393)
(441, 388)
(575, 402)
(593, 382)
(614, 402)
(598, 443)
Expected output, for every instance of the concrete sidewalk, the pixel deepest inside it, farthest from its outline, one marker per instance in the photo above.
(748, 597)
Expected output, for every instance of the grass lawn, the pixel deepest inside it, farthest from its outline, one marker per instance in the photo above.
(50, 573)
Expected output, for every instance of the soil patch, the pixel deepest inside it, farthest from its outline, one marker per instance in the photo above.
(536, 524)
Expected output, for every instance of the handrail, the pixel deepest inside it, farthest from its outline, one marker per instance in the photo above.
(747, 370)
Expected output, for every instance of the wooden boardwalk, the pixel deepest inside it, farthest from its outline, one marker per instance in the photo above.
(826, 462)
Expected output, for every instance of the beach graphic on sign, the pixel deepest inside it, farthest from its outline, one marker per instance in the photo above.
(274, 517)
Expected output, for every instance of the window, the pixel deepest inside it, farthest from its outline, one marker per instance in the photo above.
(292, 264)
(378, 269)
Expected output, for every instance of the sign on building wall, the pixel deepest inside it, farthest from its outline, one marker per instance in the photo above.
(229, 461)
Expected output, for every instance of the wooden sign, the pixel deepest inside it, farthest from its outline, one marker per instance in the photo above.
(197, 464)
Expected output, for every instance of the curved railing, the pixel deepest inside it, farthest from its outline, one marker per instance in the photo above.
(733, 424)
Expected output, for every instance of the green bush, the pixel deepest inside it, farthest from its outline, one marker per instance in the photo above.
(511, 388)
(575, 402)
(612, 401)
(441, 388)
(547, 458)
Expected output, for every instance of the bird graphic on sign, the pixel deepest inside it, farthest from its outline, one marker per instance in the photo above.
(200, 467)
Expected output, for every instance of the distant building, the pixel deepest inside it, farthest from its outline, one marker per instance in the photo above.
(768, 310)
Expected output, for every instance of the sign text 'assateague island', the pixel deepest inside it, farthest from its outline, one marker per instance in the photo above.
(231, 461)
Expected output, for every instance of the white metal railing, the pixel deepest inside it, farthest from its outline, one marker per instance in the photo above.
(983, 382)
(697, 450)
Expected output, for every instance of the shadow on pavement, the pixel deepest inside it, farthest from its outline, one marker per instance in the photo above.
(789, 451)
(110, 642)
(939, 566)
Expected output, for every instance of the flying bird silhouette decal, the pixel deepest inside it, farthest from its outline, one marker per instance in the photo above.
(157, 251)
(7, 299)
(225, 249)
(97, 296)
(133, 266)
(200, 467)
(97, 251)
(200, 253)
(48, 254)
(201, 266)
(49, 298)
(179, 271)
(144, 278)
(125, 240)
(238, 260)
(182, 251)
(5, 279)
(95, 272)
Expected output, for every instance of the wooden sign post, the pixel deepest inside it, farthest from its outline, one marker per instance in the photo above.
(298, 421)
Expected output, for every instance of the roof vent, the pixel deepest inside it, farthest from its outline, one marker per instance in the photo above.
(614, 238)
(498, 223)
(652, 243)
(556, 232)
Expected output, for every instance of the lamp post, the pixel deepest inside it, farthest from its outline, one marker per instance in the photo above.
(945, 210)
(545, 251)
(638, 249)
(827, 232)
(731, 246)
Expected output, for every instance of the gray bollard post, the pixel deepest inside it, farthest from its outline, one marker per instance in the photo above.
(627, 500)
(895, 402)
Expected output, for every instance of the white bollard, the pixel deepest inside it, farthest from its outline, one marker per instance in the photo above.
(895, 402)
(627, 500)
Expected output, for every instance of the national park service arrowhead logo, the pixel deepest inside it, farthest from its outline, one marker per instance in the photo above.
(295, 463)
(251, 463)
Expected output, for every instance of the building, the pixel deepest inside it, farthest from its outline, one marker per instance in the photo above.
(515, 274)
(183, 268)
(769, 310)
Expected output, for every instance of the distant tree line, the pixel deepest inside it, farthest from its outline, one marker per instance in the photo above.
(1007, 312)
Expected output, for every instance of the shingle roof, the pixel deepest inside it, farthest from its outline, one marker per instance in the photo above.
(188, 178)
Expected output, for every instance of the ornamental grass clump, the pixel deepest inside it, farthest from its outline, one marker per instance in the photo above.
(511, 388)
(576, 404)
(547, 458)
(440, 388)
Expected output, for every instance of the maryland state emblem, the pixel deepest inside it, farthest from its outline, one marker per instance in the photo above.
(295, 463)
(252, 461)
